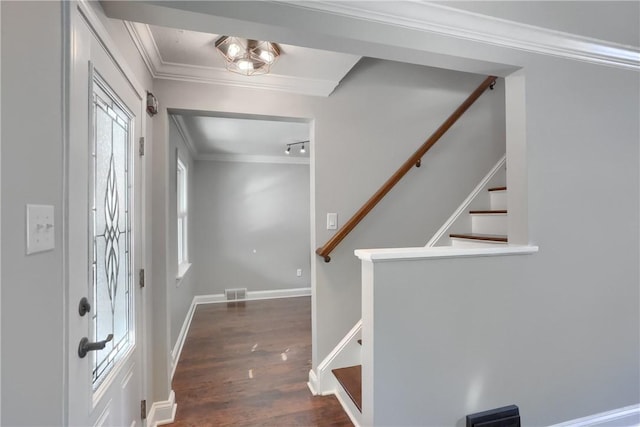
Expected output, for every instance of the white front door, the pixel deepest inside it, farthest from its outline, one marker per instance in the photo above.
(104, 235)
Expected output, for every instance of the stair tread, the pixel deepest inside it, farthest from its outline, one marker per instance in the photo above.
(498, 189)
(351, 380)
(486, 212)
(476, 236)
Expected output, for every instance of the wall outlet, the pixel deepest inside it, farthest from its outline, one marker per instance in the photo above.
(299, 272)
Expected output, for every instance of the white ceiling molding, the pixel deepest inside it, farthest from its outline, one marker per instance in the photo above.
(186, 136)
(242, 158)
(434, 18)
(160, 69)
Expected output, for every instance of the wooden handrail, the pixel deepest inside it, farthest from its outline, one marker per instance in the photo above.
(414, 160)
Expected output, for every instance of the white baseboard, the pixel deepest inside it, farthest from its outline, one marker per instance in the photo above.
(255, 295)
(349, 407)
(163, 412)
(177, 348)
(622, 417)
(347, 353)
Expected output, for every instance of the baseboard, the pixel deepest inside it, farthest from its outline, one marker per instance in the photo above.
(177, 348)
(313, 382)
(348, 406)
(163, 412)
(255, 295)
(342, 355)
(627, 416)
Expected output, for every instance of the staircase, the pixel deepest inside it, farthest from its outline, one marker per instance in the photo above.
(488, 227)
(480, 221)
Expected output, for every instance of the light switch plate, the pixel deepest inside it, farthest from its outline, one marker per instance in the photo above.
(332, 221)
(40, 228)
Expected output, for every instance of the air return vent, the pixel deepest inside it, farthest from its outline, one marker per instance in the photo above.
(507, 416)
(235, 294)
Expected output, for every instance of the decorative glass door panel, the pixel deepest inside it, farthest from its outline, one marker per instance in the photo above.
(110, 234)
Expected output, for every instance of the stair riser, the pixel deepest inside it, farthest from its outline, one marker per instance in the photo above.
(489, 224)
(498, 200)
(468, 243)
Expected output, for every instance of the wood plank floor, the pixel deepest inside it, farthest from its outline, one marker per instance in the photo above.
(247, 364)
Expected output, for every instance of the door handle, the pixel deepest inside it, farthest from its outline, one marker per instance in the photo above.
(86, 346)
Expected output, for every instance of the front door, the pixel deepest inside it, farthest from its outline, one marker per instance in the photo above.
(104, 235)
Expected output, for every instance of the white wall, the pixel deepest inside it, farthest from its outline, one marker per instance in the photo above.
(244, 207)
(181, 292)
(32, 285)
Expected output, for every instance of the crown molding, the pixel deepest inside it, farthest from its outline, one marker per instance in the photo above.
(160, 69)
(185, 135)
(242, 158)
(444, 20)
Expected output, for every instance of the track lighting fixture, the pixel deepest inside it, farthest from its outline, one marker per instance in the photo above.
(301, 143)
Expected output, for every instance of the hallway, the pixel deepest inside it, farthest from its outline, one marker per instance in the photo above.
(246, 364)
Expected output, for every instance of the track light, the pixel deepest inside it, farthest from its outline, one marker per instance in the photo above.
(301, 143)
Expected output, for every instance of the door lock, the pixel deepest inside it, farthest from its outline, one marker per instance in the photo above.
(84, 307)
(86, 346)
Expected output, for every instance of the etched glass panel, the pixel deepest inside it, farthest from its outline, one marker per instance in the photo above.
(110, 223)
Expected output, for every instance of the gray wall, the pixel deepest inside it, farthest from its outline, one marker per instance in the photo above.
(32, 285)
(33, 288)
(380, 114)
(241, 207)
(181, 293)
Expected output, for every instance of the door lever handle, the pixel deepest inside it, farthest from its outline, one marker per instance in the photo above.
(86, 346)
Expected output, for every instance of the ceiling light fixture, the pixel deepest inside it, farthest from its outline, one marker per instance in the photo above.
(247, 57)
(301, 143)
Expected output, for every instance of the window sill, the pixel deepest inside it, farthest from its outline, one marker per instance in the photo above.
(182, 271)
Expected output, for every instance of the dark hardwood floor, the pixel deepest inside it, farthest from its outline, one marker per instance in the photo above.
(247, 364)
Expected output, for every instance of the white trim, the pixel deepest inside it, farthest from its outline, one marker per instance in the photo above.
(177, 348)
(313, 382)
(184, 134)
(348, 406)
(346, 353)
(254, 295)
(399, 254)
(161, 69)
(444, 20)
(183, 268)
(464, 207)
(629, 415)
(163, 412)
(242, 158)
(102, 34)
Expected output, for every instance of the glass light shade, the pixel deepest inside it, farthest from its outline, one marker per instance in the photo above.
(247, 57)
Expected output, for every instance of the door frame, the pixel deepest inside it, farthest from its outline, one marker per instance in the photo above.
(101, 33)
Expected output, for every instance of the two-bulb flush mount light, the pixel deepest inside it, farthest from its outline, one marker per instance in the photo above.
(301, 144)
(247, 57)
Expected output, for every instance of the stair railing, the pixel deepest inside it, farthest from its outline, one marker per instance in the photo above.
(414, 160)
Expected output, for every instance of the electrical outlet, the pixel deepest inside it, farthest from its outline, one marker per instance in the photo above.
(299, 272)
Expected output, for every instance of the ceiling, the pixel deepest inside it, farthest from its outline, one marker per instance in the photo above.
(253, 139)
(174, 53)
(178, 54)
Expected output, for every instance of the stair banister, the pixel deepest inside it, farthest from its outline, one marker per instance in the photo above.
(414, 160)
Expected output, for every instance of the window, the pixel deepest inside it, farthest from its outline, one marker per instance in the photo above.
(183, 218)
(110, 221)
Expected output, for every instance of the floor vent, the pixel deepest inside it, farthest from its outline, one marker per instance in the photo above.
(507, 416)
(235, 294)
